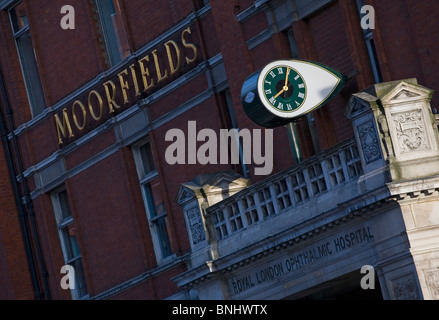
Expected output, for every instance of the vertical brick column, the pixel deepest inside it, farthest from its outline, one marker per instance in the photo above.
(236, 56)
(15, 281)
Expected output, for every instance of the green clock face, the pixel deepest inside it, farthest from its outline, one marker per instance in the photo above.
(283, 88)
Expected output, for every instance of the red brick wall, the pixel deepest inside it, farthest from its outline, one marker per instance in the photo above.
(107, 205)
(15, 281)
(64, 55)
(149, 18)
(109, 230)
(407, 46)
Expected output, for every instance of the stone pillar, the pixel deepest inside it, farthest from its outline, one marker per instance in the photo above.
(197, 195)
(398, 142)
(393, 122)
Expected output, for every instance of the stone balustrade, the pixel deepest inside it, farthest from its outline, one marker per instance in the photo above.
(285, 191)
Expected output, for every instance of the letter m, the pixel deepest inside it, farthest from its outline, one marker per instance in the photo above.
(236, 151)
(63, 126)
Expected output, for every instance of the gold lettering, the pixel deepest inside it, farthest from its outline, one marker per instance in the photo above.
(84, 115)
(90, 106)
(111, 96)
(145, 73)
(157, 67)
(174, 69)
(189, 45)
(61, 128)
(134, 76)
(124, 85)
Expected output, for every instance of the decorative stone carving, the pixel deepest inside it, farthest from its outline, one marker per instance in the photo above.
(195, 225)
(432, 278)
(404, 288)
(384, 130)
(410, 131)
(369, 141)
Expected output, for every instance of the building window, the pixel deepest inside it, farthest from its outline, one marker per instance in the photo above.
(153, 200)
(69, 244)
(111, 25)
(368, 37)
(28, 61)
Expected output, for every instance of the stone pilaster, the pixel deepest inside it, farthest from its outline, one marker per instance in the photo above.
(398, 141)
(394, 125)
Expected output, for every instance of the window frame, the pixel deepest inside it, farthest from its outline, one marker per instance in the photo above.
(153, 219)
(63, 223)
(32, 80)
(112, 39)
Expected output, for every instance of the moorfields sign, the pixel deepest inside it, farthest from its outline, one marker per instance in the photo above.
(133, 81)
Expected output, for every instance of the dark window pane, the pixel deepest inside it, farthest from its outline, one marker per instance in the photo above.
(107, 14)
(70, 243)
(31, 73)
(158, 218)
(64, 204)
(149, 200)
(162, 232)
(18, 17)
(147, 158)
(80, 286)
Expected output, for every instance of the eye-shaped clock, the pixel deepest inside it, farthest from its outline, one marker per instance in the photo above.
(287, 89)
(283, 88)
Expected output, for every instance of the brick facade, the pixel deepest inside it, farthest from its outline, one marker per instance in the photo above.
(98, 168)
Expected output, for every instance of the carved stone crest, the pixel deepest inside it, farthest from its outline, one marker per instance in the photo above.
(195, 225)
(369, 141)
(410, 131)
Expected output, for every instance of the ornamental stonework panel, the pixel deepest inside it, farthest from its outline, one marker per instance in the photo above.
(432, 279)
(195, 225)
(369, 141)
(410, 131)
(405, 288)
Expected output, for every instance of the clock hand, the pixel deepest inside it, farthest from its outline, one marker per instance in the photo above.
(286, 80)
(279, 93)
